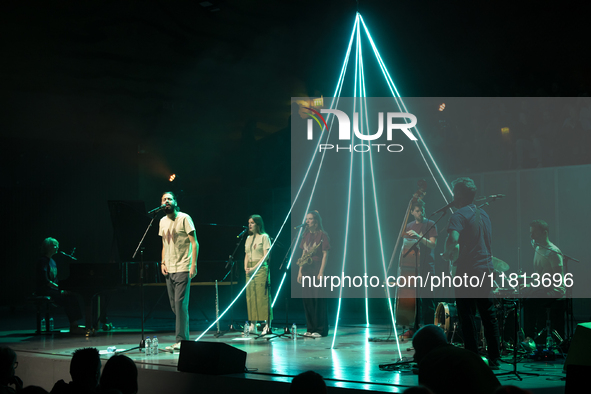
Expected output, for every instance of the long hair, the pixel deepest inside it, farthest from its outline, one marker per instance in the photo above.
(318, 219)
(258, 220)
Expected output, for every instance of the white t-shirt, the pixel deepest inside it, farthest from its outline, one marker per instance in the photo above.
(175, 238)
(256, 248)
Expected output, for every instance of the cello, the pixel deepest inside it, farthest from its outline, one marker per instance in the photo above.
(406, 297)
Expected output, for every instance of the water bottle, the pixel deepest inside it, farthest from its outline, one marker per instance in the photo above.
(51, 324)
(148, 346)
(246, 330)
(154, 345)
(294, 331)
(43, 325)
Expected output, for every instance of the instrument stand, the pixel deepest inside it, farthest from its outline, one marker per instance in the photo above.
(517, 304)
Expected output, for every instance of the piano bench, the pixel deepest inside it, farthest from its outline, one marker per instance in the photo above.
(44, 306)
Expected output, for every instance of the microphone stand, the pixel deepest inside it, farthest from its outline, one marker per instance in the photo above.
(286, 331)
(569, 293)
(231, 262)
(139, 248)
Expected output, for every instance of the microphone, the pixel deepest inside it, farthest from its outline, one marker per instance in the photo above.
(69, 255)
(157, 209)
(242, 233)
(495, 196)
(301, 225)
(445, 208)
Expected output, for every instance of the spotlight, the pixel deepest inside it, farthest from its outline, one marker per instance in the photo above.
(172, 177)
(441, 107)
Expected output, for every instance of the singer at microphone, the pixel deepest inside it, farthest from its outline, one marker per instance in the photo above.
(48, 285)
(469, 245)
(256, 248)
(179, 263)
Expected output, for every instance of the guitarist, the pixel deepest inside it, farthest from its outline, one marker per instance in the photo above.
(315, 245)
(468, 244)
(414, 230)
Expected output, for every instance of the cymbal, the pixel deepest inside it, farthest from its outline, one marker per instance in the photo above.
(499, 265)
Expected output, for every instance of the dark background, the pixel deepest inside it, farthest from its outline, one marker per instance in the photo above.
(105, 100)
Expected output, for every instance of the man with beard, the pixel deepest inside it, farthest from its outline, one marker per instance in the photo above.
(179, 262)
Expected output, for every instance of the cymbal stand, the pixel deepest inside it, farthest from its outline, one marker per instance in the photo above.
(517, 305)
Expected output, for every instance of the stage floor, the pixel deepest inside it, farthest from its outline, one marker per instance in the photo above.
(353, 363)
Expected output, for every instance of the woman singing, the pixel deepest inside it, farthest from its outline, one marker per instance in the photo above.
(257, 293)
(315, 245)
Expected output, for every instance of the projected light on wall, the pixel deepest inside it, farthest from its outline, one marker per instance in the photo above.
(372, 203)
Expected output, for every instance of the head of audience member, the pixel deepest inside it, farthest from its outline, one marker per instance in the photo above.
(7, 365)
(50, 247)
(464, 191)
(33, 390)
(426, 339)
(120, 373)
(308, 382)
(85, 367)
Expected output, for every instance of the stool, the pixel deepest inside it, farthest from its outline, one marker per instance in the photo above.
(43, 305)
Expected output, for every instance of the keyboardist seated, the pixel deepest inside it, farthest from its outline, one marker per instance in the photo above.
(46, 271)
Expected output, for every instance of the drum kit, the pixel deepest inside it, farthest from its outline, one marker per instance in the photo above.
(446, 314)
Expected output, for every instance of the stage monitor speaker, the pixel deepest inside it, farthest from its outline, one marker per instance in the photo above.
(211, 358)
(578, 362)
(580, 346)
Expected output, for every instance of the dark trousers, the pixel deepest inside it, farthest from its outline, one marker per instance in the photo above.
(71, 302)
(425, 312)
(467, 308)
(179, 287)
(315, 302)
(316, 315)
